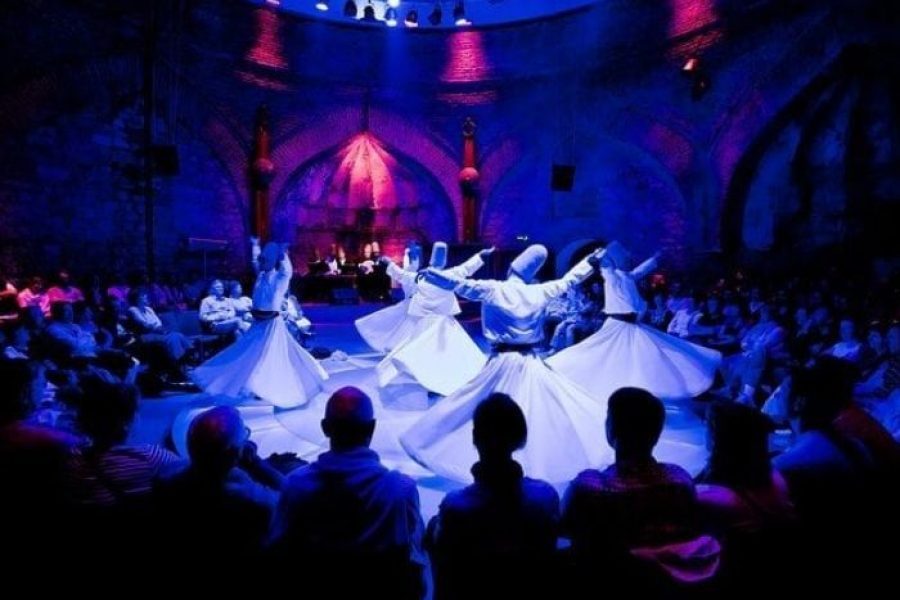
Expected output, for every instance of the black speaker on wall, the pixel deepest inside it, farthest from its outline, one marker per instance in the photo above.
(165, 160)
(562, 178)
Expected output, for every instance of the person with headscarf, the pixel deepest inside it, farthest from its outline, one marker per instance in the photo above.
(384, 329)
(266, 362)
(436, 340)
(627, 353)
(563, 420)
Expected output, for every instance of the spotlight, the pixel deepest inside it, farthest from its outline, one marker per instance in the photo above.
(393, 3)
(412, 18)
(322, 5)
(350, 9)
(700, 81)
(459, 14)
(390, 17)
(691, 66)
(436, 15)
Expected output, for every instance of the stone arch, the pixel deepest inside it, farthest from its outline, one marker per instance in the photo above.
(318, 205)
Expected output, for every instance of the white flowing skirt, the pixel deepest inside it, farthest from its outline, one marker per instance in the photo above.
(624, 354)
(566, 427)
(385, 329)
(438, 354)
(267, 362)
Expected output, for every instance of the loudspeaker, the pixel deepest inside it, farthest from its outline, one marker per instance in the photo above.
(165, 160)
(562, 178)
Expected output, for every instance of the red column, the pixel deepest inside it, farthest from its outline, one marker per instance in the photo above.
(262, 170)
(468, 183)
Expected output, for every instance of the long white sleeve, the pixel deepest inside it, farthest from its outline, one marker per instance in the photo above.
(407, 279)
(576, 275)
(468, 268)
(645, 268)
(285, 267)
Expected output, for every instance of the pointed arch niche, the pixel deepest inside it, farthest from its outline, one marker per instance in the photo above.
(358, 192)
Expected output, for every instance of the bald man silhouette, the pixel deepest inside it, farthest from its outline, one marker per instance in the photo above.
(346, 513)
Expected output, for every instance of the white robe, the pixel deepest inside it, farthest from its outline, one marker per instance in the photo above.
(266, 362)
(565, 425)
(385, 329)
(623, 354)
(437, 354)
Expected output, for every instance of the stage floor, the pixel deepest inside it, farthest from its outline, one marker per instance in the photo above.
(298, 431)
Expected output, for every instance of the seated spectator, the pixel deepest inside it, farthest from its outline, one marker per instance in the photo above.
(218, 507)
(743, 500)
(7, 289)
(710, 320)
(108, 481)
(66, 338)
(739, 488)
(17, 344)
(684, 319)
(299, 326)
(32, 319)
(35, 295)
(119, 290)
(107, 472)
(848, 346)
(217, 314)
(658, 314)
(167, 348)
(332, 265)
(874, 350)
(583, 315)
(638, 514)
(831, 477)
(820, 333)
(32, 459)
(496, 538)
(760, 345)
(879, 393)
(84, 318)
(728, 335)
(64, 291)
(243, 305)
(347, 513)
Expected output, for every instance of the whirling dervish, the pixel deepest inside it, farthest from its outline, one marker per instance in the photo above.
(437, 353)
(565, 425)
(266, 362)
(626, 353)
(384, 329)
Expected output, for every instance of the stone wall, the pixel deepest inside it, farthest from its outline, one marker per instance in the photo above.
(659, 162)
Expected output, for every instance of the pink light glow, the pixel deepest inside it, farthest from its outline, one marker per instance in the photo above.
(267, 49)
(466, 58)
(363, 177)
(691, 15)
